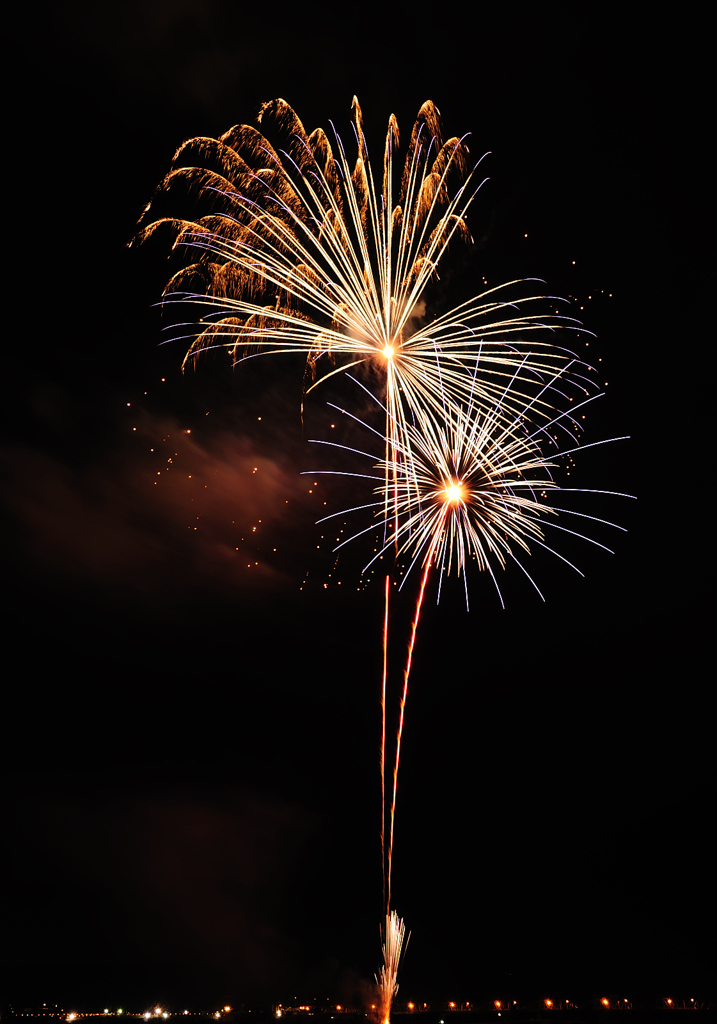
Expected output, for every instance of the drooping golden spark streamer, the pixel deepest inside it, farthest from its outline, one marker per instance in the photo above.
(290, 247)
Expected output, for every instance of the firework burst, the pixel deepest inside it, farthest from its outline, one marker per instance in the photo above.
(289, 246)
(471, 486)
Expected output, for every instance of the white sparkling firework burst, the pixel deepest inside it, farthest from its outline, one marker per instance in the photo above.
(472, 486)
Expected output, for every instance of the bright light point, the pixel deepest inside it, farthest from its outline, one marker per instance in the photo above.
(388, 351)
(454, 491)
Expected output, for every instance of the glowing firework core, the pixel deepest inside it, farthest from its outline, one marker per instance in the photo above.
(454, 492)
(388, 351)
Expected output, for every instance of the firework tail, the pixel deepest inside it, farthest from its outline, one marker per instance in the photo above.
(383, 739)
(394, 931)
(402, 712)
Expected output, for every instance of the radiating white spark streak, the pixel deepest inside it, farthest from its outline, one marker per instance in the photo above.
(356, 508)
(572, 512)
(333, 444)
(581, 535)
(593, 444)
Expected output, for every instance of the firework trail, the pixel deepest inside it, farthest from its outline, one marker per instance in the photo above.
(386, 897)
(402, 712)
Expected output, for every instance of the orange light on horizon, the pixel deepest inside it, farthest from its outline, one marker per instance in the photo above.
(548, 1004)
(605, 1002)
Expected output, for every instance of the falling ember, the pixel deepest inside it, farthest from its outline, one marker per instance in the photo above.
(387, 978)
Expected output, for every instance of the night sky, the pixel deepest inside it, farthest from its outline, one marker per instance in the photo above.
(190, 725)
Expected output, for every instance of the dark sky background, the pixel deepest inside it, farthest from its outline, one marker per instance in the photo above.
(190, 720)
